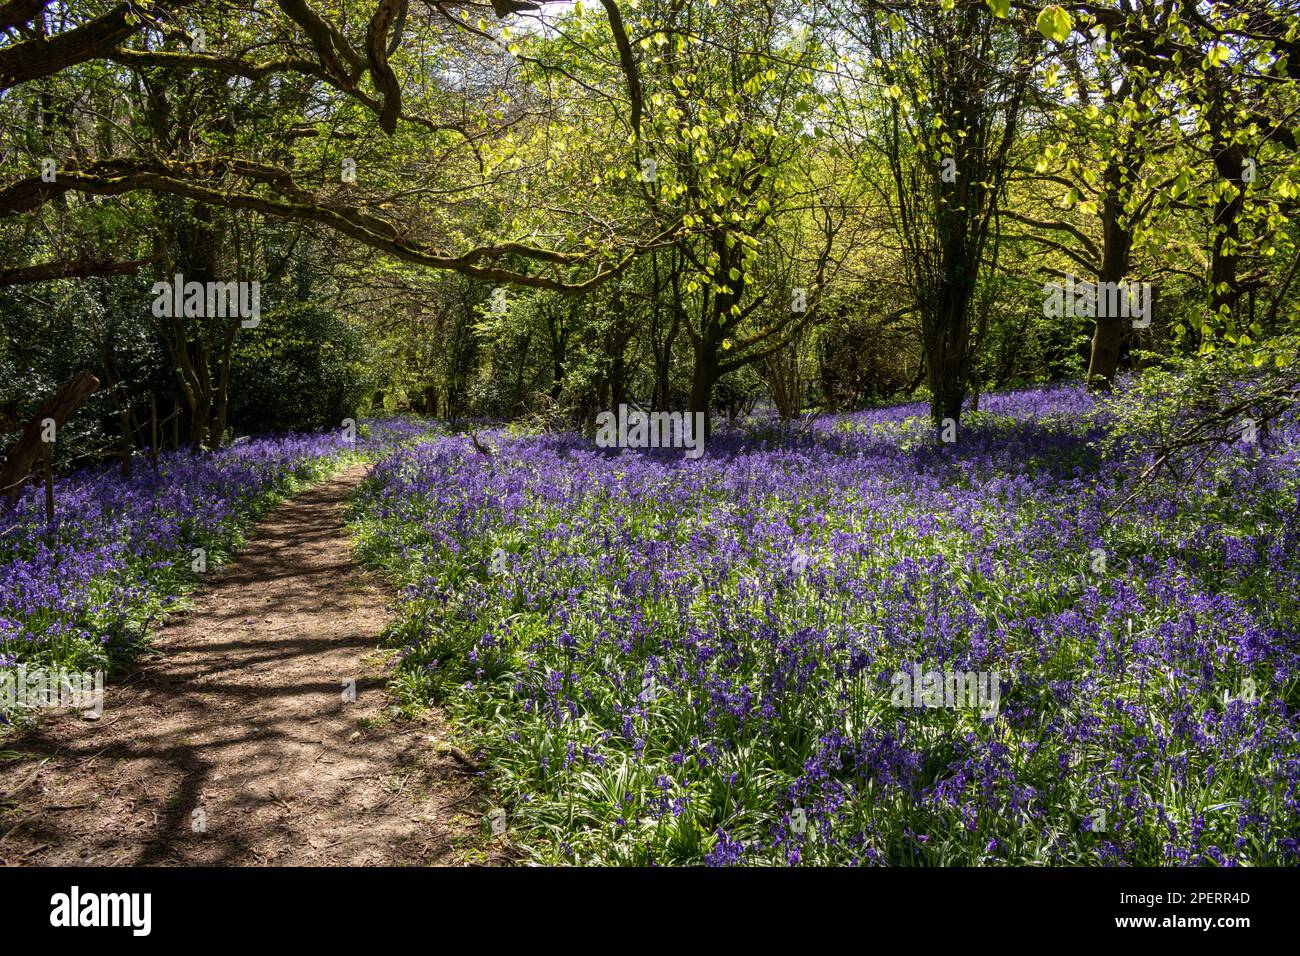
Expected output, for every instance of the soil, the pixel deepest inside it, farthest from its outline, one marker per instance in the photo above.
(231, 743)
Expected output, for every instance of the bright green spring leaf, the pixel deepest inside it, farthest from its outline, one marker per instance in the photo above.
(1054, 23)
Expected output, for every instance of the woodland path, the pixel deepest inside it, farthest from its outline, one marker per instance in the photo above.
(231, 742)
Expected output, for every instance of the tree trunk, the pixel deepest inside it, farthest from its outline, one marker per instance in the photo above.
(1117, 242)
(618, 381)
(27, 449)
(947, 341)
(703, 377)
(518, 403)
(1229, 162)
(558, 328)
(222, 397)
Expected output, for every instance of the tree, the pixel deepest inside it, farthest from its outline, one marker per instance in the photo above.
(954, 79)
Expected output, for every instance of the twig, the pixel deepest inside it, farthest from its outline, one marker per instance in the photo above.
(464, 759)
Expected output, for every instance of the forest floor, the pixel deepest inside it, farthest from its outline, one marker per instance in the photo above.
(231, 743)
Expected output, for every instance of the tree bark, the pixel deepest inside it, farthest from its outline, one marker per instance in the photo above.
(72, 269)
(703, 377)
(1117, 243)
(44, 55)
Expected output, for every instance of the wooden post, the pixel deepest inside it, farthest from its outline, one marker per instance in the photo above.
(153, 428)
(49, 482)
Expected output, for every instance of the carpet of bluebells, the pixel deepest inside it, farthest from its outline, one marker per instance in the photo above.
(79, 593)
(673, 661)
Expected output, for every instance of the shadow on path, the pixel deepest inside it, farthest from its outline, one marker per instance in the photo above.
(234, 745)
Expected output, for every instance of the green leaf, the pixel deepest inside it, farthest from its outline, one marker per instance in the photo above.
(1000, 8)
(1054, 23)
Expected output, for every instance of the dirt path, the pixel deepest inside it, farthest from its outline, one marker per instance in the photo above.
(234, 744)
